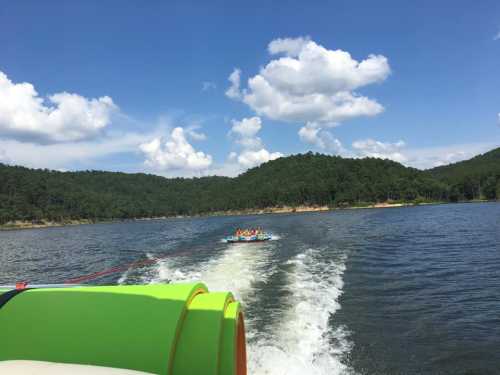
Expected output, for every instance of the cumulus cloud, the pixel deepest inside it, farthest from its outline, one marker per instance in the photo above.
(314, 135)
(174, 153)
(250, 158)
(62, 117)
(309, 134)
(310, 83)
(430, 157)
(377, 149)
(252, 152)
(246, 128)
(233, 91)
(195, 135)
(66, 131)
(418, 157)
(497, 37)
(287, 46)
(245, 132)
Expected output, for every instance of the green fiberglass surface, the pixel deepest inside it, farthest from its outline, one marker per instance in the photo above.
(161, 329)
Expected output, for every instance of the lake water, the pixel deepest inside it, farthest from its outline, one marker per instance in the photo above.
(412, 290)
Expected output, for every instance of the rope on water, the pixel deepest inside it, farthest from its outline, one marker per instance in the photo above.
(123, 268)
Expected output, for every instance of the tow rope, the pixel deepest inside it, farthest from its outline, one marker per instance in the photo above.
(124, 267)
(109, 271)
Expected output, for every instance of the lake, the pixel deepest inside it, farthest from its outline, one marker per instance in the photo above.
(410, 290)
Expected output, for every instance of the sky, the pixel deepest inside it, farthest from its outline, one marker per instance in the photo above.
(202, 88)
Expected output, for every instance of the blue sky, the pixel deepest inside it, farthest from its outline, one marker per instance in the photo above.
(115, 81)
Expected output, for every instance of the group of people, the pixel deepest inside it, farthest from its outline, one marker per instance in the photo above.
(248, 232)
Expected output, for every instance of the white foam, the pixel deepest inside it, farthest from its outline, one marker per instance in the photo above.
(302, 342)
(125, 275)
(240, 266)
(123, 278)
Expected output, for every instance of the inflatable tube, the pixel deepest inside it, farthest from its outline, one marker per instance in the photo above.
(172, 329)
(253, 238)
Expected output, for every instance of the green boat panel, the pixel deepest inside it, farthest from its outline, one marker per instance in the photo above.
(202, 334)
(161, 329)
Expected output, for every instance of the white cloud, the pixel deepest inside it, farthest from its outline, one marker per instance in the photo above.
(419, 157)
(192, 132)
(248, 127)
(252, 152)
(61, 156)
(313, 69)
(90, 154)
(63, 117)
(309, 134)
(383, 150)
(246, 131)
(497, 37)
(233, 91)
(429, 157)
(311, 84)
(176, 153)
(250, 158)
(450, 157)
(66, 131)
(288, 46)
(314, 135)
(232, 156)
(208, 85)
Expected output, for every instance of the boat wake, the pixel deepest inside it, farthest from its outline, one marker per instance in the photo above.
(303, 342)
(238, 269)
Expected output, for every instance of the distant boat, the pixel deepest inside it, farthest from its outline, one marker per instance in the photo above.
(253, 238)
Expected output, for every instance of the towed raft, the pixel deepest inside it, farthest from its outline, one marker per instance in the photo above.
(248, 235)
(171, 329)
(252, 238)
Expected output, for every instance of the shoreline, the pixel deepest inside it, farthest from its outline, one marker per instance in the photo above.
(20, 225)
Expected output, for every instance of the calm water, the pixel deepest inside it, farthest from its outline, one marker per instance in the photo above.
(383, 291)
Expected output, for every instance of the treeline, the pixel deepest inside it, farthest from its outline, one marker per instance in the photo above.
(307, 179)
(476, 178)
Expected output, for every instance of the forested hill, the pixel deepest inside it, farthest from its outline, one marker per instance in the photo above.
(307, 179)
(475, 178)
